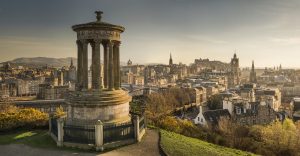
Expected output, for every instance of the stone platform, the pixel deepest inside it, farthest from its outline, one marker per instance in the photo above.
(111, 107)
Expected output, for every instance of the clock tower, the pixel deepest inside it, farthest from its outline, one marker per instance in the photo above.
(234, 74)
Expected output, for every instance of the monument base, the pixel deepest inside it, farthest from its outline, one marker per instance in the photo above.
(87, 107)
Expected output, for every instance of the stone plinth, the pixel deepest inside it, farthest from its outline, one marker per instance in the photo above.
(111, 107)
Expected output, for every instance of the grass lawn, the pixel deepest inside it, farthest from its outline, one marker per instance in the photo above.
(34, 138)
(178, 145)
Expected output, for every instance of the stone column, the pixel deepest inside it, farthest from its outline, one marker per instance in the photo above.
(50, 124)
(85, 77)
(79, 65)
(105, 79)
(60, 132)
(111, 67)
(99, 136)
(96, 64)
(136, 123)
(117, 80)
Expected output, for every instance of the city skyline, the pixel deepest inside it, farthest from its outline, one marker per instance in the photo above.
(264, 31)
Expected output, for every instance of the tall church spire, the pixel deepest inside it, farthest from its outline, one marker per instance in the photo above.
(280, 67)
(253, 74)
(170, 60)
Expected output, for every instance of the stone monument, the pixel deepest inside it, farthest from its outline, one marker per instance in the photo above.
(105, 100)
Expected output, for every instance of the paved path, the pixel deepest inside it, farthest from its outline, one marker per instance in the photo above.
(147, 147)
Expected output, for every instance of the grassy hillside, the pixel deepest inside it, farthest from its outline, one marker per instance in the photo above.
(178, 145)
(35, 138)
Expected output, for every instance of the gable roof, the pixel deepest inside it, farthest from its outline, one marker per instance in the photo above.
(213, 116)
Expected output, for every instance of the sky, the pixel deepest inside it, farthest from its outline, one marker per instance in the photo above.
(266, 31)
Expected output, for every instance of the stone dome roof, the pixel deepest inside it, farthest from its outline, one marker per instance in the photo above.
(98, 24)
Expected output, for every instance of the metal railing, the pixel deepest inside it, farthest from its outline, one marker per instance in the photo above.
(79, 134)
(118, 132)
(54, 129)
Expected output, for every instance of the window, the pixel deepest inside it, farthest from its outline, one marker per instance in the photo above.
(238, 110)
(201, 120)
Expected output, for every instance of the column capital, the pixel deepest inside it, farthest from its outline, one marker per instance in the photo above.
(97, 41)
(117, 43)
(78, 42)
(110, 42)
(83, 41)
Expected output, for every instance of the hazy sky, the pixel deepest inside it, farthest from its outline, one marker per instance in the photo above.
(267, 31)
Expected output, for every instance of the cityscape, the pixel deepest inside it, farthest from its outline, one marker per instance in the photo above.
(176, 78)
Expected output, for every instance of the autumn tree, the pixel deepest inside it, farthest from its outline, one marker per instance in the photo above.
(156, 106)
(281, 136)
(215, 102)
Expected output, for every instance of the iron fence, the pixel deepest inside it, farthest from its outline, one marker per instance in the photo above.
(79, 134)
(54, 129)
(118, 132)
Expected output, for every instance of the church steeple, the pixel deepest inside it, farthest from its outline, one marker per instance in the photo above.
(280, 67)
(170, 60)
(253, 74)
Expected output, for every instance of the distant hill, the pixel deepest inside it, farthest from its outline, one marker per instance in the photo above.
(43, 61)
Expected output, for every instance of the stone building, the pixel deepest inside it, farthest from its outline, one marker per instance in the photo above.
(205, 64)
(247, 91)
(50, 92)
(258, 113)
(202, 94)
(249, 113)
(271, 96)
(295, 103)
(234, 75)
(133, 79)
(29, 86)
(4, 91)
(6, 68)
(71, 73)
(132, 74)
